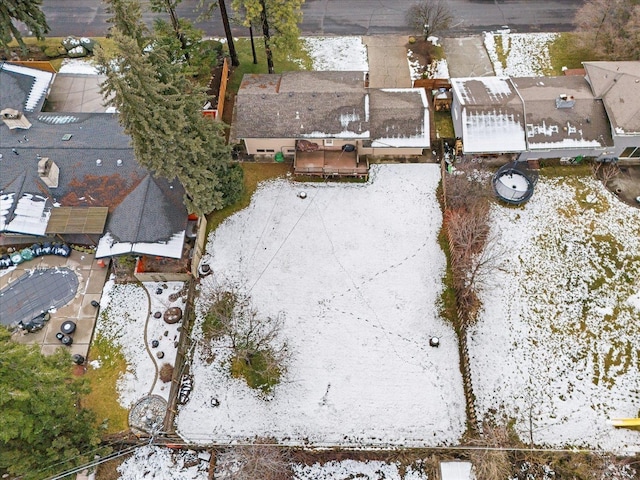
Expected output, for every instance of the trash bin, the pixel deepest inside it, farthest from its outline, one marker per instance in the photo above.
(279, 157)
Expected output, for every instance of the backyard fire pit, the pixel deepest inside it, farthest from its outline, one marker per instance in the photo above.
(173, 315)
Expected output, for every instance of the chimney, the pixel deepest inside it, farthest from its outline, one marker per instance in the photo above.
(564, 101)
(48, 172)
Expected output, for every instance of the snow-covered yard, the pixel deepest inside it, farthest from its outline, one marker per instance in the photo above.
(519, 54)
(127, 320)
(337, 53)
(356, 269)
(165, 464)
(557, 346)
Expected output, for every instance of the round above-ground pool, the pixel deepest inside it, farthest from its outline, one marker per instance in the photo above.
(514, 184)
(36, 291)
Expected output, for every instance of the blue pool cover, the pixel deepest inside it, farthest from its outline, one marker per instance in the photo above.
(36, 291)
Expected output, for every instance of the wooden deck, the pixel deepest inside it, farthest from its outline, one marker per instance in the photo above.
(330, 163)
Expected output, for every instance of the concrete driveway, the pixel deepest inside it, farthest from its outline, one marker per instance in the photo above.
(467, 57)
(388, 64)
(76, 93)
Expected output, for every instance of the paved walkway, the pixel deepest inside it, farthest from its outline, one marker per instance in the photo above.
(388, 65)
(467, 57)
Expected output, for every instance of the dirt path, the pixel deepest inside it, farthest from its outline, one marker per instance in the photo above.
(146, 341)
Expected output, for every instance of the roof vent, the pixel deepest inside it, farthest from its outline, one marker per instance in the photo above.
(98, 163)
(565, 101)
(48, 172)
(119, 162)
(14, 119)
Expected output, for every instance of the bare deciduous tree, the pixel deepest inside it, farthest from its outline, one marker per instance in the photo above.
(605, 171)
(263, 460)
(259, 352)
(474, 253)
(492, 463)
(611, 28)
(430, 17)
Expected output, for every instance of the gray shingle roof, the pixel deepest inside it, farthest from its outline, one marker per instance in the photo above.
(23, 88)
(141, 216)
(618, 85)
(327, 105)
(398, 114)
(93, 136)
(583, 123)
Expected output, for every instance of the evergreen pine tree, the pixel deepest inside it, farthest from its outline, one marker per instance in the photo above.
(25, 11)
(43, 430)
(162, 112)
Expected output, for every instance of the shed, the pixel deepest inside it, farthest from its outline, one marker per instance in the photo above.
(456, 471)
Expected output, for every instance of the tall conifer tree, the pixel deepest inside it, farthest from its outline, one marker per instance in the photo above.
(162, 112)
(43, 430)
(25, 11)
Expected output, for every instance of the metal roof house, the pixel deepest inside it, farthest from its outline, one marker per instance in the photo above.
(73, 176)
(326, 111)
(488, 115)
(617, 85)
(532, 118)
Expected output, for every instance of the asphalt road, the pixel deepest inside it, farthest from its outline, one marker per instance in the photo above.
(344, 17)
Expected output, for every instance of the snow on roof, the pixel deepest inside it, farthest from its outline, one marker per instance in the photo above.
(456, 471)
(41, 83)
(414, 133)
(342, 134)
(566, 143)
(483, 90)
(363, 470)
(492, 131)
(30, 216)
(108, 246)
(6, 202)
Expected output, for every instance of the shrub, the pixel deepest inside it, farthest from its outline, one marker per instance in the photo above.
(53, 52)
(260, 370)
(218, 316)
(166, 372)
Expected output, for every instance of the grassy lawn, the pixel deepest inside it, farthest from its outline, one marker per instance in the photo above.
(103, 399)
(254, 173)
(444, 124)
(566, 51)
(296, 61)
(35, 44)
